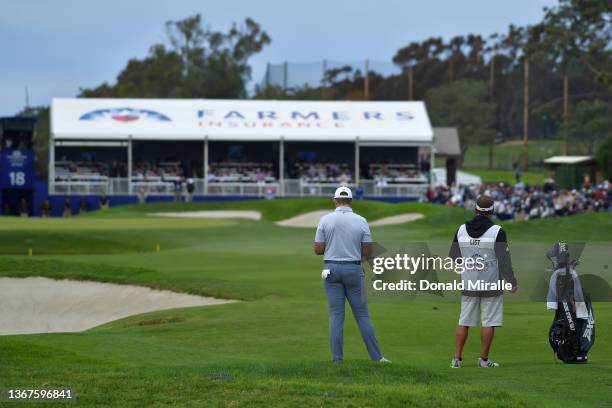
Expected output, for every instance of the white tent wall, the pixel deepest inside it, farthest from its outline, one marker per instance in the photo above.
(89, 120)
(172, 119)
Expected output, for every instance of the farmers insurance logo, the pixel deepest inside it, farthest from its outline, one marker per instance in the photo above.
(125, 115)
(17, 159)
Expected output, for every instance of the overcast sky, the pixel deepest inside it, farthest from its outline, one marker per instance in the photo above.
(56, 47)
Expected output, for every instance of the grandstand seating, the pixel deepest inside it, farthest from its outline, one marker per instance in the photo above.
(81, 171)
(93, 171)
(239, 172)
(323, 172)
(396, 173)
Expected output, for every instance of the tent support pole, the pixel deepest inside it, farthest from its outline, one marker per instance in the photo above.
(281, 167)
(205, 161)
(51, 170)
(357, 162)
(432, 160)
(129, 169)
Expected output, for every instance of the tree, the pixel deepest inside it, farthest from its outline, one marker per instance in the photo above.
(42, 134)
(343, 83)
(199, 63)
(604, 158)
(156, 76)
(572, 40)
(576, 31)
(589, 124)
(571, 58)
(467, 105)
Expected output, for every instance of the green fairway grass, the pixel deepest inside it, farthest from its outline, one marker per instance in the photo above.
(94, 235)
(271, 349)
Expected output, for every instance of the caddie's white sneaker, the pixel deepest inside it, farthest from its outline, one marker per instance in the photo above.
(384, 361)
(487, 364)
(455, 363)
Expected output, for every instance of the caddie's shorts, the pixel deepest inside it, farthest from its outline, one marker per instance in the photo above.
(486, 311)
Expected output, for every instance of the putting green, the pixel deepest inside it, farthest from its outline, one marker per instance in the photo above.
(272, 349)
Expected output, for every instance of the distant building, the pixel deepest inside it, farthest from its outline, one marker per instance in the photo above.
(447, 145)
(572, 171)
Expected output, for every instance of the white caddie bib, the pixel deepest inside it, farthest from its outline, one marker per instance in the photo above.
(483, 248)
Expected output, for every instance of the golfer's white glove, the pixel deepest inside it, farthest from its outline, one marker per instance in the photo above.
(325, 273)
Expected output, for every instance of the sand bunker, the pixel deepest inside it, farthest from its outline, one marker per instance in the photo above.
(306, 220)
(249, 215)
(311, 219)
(397, 219)
(42, 305)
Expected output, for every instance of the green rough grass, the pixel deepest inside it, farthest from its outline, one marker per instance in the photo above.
(532, 178)
(272, 348)
(505, 154)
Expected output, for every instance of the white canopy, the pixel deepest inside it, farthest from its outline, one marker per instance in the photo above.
(248, 120)
(463, 178)
(567, 159)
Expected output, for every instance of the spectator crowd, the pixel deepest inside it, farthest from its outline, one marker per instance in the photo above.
(312, 172)
(241, 172)
(522, 202)
(143, 170)
(237, 171)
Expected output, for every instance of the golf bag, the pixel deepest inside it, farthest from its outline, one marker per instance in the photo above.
(572, 333)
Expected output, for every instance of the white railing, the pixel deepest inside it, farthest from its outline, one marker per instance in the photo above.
(290, 188)
(80, 187)
(243, 189)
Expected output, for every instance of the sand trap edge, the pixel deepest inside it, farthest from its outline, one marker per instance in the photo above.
(43, 305)
(214, 214)
(311, 219)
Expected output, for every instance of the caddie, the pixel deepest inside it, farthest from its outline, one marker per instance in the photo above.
(481, 239)
(344, 238)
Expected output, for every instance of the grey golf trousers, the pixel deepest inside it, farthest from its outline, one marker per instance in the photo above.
(348, 281)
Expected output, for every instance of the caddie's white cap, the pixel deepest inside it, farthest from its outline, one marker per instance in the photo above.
(343, 192)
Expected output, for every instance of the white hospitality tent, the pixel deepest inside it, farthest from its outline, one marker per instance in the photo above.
(102, 122)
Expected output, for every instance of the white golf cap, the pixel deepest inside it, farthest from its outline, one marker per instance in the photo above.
(343, 192)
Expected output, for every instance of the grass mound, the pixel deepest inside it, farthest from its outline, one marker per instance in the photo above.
(67, 269)
(83, 235)
(276, 210)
